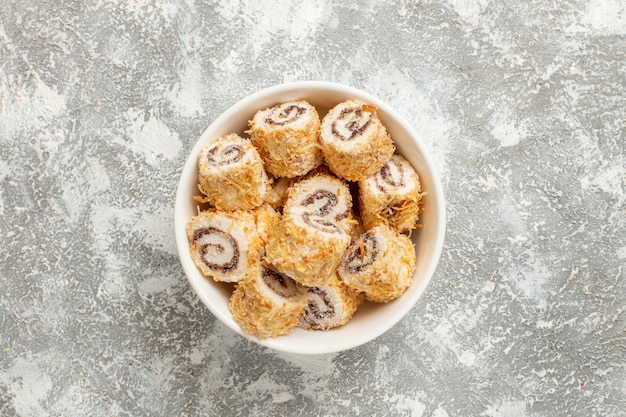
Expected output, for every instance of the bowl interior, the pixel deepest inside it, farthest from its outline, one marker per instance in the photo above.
(372, 319)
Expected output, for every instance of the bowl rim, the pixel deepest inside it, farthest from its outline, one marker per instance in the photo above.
(190, 166)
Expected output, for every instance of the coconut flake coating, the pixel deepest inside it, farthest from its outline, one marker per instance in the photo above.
(391, 196)
(287, 138)
(329, 306)
(267, 304)
(314, 230)
(225, 246)
(354, 142)
(379, 263)
(265, 218)
(231, 174)
(277, 194)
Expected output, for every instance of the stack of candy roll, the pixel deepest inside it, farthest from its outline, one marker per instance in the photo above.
(314, 230)
(379, 263)
(267, 303)
(391, 196)
(354, 142)
(286, 136)
(225, 246)
(282, 225)
(330, 305)
(231, 174)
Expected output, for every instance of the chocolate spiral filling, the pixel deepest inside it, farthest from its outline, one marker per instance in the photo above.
(350, 123)
(320, 223)
(322, 203)
(279, 284)
(339, 217)
(390, 176)
(319, 306)
(362, 255)
(219, 242)
(226, 155)
(281, 116)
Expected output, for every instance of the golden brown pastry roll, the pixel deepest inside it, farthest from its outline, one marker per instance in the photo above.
(354, 142)
(225, 246)
(287, 137)
(231, 174)
(391, 196)
(267, 304)
(314, 230)
(379, 263)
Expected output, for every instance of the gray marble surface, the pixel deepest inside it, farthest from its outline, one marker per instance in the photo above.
(522, 103)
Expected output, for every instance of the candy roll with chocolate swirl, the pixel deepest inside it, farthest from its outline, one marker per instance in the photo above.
(314, 230)
(286, 136)
(225, 246)
(267, 304)
(329, 306)
(391, 196)
(354, 142)
(379, 263)
(231, 174)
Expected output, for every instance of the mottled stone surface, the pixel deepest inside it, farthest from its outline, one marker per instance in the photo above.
(523, 104)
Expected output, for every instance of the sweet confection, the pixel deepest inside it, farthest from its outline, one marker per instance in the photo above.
(391, 196)
(354, 142)
(267, 304)
(280, 222)
(329, 305)
(380, 264)
(225, 246)
(231, 174)
(286, 136)
(314, 230)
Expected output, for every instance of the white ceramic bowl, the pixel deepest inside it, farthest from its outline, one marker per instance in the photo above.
(372, 319)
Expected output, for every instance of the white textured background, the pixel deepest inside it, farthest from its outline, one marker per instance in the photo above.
(523, 104)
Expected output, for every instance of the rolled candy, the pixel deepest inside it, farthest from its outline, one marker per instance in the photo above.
(329, 305)
(286, 136)
(267, 304)
(391, 196)
(278, 193)
(314, 230)
(231, 174)
(379, 263)
(354, 142)
(225, 246)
